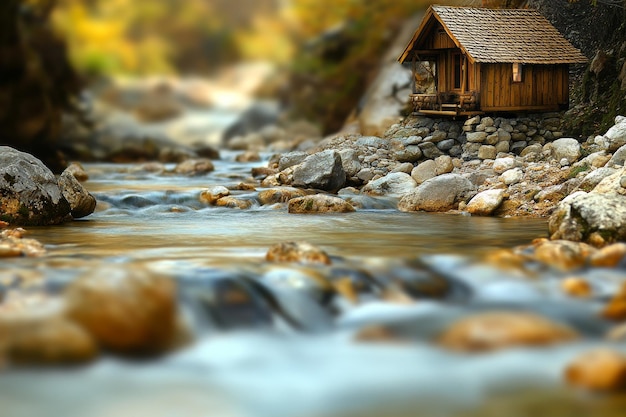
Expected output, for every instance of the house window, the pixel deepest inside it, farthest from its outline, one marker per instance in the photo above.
(517, 73)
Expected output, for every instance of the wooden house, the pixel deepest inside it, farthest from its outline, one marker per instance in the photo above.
(490, 60)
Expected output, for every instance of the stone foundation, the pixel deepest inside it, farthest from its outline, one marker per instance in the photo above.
(478, 137)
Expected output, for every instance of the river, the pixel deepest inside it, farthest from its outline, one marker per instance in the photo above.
(256, 362)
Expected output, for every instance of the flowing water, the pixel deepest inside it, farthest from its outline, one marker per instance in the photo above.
(302, 359)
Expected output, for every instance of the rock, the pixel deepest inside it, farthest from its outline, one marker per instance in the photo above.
(299, 252)
(487, 152)
(618, 158)
(476, 137)
(392, 185)
(503, 329)
(248, 156)
(615, 137)
(430, 150)
(594, 178)
(29, 192)
(567, 148)
(12, 244)
(424, 171)
(211, 196)
(233, 202)
(486, 202)
(319, 203)
(444, 164)
(562, 254)
(194, 167)
(500, 165)
(35, 332)
(126, 310)
(597, 219)
(323, 171)
(350, 162)
(77, 170)
(609, 256)
(279, 195)
(601, 369)
(405, 167)
(512, 176)
(82, 203)
(576, 287)
(256, 117)
(612, 184)
(411, 153)
(290, 159)
(441, 193)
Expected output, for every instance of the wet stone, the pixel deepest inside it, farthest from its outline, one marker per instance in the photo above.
(601, 369)
(299, 252)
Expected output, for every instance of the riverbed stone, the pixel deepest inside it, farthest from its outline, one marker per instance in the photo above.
(430, 150)
(78, 171)
(562, 254)
(424, 171)
(615, 137)
(126, 310)
(476, 137)
(13, 244)
(441, 193)
(234, 202)
(503, 164)
(486, 202)
(210, 196)
(619, 157)
(504, 329)
(82, 202)
(487, 152)
(601, 369)
(194, 167)
(567, 148)
(279, 195)
(290, 159)
(410, 153)
(598, 219)
(297, 252)
(29, 192)
(319, 203)
(444, 164)
(322, 170)
(512, 176)
(395, 184)
(350, 162)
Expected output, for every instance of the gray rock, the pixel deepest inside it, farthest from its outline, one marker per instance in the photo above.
(533, 149)
(323, 170)
(594, 218)
(615, 137)
(429, 150)
(424, 171)
(82, 203)
(446, 145)
(441, 193)
(486, 202)
(476, 137)
(512, 176)
(290, 159)
(29, 192)
(437, 136)
(619, 157)
(350, 162)
(372, 141)
(444, 164)
(411, 153)
(405, 167)
(395, 184)
(567, 148)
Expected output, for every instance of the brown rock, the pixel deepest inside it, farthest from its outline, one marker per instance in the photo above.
(248, 156)
(279, 195)
(300, 252)
(12, 244)
(378, 334)
(563, 254)
(233, 202)
(319, 203)
(576, 287)
(608, 256)
(502, 329)
(125, 310)
(77, 170)
(211, 196)
(598, 370)
(194, 167)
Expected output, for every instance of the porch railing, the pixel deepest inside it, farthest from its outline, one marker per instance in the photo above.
(447, 101)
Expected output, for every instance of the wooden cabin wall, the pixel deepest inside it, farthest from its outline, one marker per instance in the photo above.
(543, 87)
(439, 39)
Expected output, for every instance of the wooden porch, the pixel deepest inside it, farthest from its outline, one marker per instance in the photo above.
(447, 104)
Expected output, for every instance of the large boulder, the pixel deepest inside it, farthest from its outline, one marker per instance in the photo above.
(567, 148)
(29, 192)
(322, 170)
(486, 202)
(441, 193)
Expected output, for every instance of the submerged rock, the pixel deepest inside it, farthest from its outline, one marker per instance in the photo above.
(504, 329)
(29, 192)
(13, 244)
(598, 370)
(279, 195)
(300, 252)
(126, 310)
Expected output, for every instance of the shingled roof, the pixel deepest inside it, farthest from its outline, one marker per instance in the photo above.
(501, 36)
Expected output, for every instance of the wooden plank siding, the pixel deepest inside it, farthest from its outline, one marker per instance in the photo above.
(543, 87)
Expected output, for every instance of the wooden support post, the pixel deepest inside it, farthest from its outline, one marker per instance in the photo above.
(413, 74)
